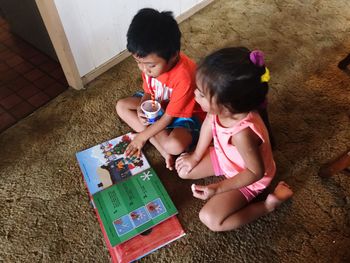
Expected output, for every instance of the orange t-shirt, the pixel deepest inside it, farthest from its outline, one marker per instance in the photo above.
(174, 89)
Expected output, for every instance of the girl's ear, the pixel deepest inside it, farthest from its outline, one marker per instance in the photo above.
(226, 110)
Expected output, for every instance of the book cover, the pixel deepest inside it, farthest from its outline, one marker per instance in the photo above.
(150, 206)
(133, 206)
(147, 242)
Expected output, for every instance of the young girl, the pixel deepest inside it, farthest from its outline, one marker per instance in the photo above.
(231, 86)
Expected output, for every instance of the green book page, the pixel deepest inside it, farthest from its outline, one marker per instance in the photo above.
(133, 206)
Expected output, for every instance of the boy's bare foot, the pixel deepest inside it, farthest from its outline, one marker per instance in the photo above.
(169, 161)
(281, 193)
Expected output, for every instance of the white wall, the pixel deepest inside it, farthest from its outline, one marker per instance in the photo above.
(96, 29)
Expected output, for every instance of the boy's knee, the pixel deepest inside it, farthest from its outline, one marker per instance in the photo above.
(174, 147)
(121, 106)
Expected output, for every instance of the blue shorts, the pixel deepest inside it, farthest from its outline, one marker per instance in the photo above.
(193, 124)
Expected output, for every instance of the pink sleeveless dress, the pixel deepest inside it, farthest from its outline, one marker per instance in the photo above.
(226, 159)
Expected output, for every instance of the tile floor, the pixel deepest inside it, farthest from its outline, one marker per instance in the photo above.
(28, 78)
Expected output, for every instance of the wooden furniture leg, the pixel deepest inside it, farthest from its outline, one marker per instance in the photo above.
(340, 163)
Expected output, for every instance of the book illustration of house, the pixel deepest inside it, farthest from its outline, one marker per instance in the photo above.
(116, 169)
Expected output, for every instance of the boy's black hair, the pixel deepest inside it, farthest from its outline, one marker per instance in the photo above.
(232, 79)
(156, 32)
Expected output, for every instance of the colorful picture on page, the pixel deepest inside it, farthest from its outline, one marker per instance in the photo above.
(106, 164)
(139, 216)
(155, 208)
(123, 225)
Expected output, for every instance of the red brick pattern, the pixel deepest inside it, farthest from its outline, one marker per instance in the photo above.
(28, 78)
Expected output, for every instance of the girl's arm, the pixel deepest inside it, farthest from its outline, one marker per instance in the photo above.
(247, 143)
(205, 138)
(185, 163)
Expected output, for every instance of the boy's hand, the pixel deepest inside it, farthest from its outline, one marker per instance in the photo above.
(135, 146)
(142, 116)
(204, 192)
(185, 163)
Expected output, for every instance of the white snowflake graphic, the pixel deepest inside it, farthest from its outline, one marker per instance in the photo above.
(146, 176)
(140, 216)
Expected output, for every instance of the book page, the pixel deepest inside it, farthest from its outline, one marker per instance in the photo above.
(105, 164)
(133, 206)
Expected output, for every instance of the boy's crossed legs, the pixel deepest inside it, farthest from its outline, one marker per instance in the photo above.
(168, 142)
(231, 210)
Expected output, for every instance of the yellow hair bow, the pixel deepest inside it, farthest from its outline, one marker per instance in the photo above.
(266, 76)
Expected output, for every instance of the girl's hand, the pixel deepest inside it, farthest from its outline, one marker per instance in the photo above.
(204, 192)
(142, 116)
(185, 163)
(135, 146)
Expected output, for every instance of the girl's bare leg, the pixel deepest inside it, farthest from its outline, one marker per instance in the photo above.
(230, 210)
(202, 170)
(281, 193)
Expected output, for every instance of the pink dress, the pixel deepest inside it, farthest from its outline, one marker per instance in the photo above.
(226, 159)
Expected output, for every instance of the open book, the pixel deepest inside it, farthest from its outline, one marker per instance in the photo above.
(129, 199)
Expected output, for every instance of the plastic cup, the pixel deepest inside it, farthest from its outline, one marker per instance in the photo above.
(152, 110)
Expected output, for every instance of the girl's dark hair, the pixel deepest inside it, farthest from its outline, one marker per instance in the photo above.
(156, 32)
(232, 79)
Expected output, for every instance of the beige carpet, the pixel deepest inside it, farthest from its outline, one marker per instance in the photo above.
(45, 215)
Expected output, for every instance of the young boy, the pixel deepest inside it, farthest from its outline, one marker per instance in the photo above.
(153, 39)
